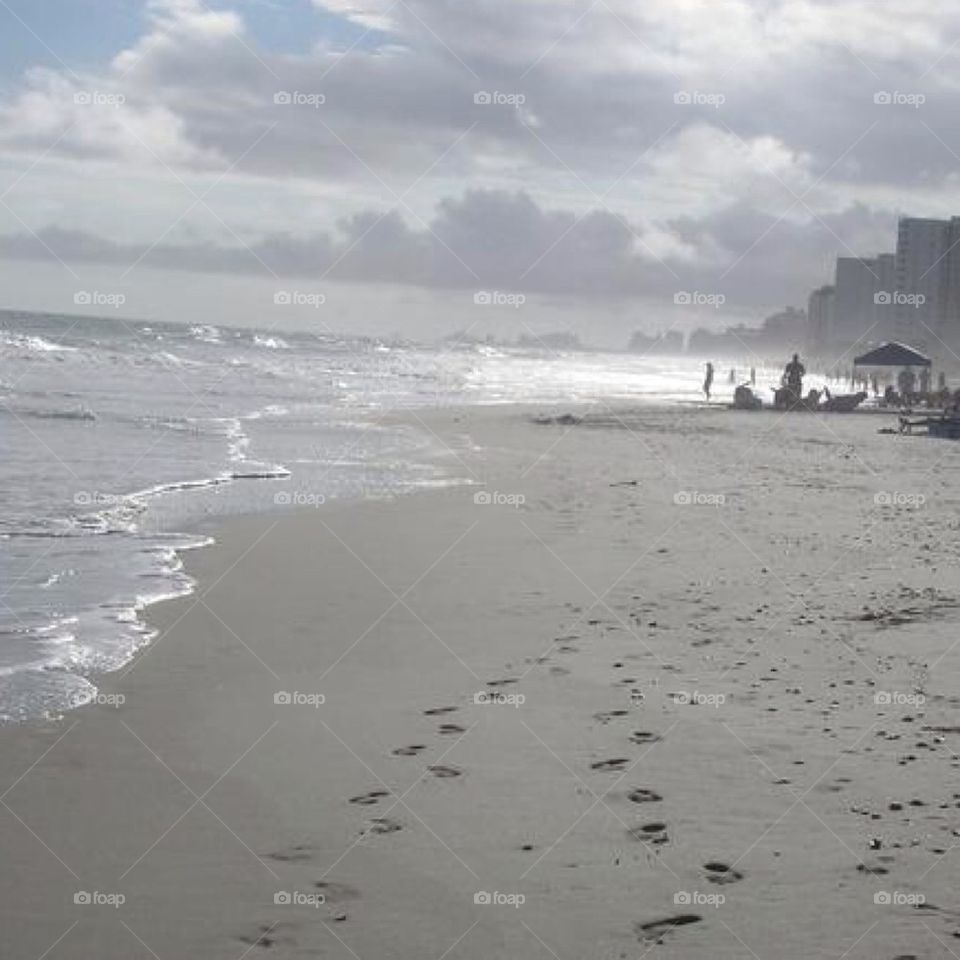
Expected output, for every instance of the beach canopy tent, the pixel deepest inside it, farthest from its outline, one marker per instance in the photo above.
(893, 354)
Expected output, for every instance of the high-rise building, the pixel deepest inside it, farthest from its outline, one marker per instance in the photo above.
(912, 295)
(820, 310)
(858, 288)
(949, 328)
(925, 258)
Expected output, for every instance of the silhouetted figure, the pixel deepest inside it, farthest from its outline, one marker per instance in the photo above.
(708, 381)
(753, 376)
(733, 376)
(745, 399)
(875, 385)
(794, 376)
(925, 381)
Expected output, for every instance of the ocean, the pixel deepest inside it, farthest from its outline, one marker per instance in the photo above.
(123, 441)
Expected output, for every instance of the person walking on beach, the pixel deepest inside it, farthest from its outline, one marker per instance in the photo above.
(708, 381)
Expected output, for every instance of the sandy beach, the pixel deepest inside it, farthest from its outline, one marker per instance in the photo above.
(680, 683)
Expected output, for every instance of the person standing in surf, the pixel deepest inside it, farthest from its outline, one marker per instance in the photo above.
(708, 381)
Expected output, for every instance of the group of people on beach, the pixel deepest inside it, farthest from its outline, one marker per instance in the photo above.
(911, 389)
(708, 380)
(792, 379)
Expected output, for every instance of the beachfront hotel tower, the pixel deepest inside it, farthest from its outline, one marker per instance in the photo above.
(912, 295)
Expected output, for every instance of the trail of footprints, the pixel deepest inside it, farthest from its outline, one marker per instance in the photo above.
(379, 826)
(287, 934)
(654, 833)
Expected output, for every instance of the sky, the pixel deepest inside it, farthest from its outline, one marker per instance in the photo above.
(431, 166)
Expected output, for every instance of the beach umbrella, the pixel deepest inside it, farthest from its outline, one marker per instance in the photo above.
(893, 354)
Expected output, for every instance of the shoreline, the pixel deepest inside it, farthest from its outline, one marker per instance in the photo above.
(601, 798)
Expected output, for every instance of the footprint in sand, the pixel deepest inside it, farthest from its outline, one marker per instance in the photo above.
(502, 683)
(655, 833)
(297, 854)
(607, 766)
(643, 795)
(722, 873)
(644, 736)
(384, 825)
(605, 716)
(334, 892)
(444, 772)
(268, 935)
(437, 711)
(451, 728)
(369, 799)
(655, 929)
(410, 751)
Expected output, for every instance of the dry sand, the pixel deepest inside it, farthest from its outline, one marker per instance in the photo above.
(694, 619)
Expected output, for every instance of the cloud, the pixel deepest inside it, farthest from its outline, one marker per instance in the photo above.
(483, 238)
(626, 149)
(500, 240)
(373, 14)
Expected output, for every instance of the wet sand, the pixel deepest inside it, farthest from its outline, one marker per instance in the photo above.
(685, 685)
